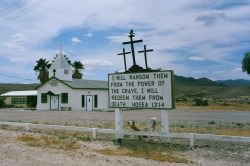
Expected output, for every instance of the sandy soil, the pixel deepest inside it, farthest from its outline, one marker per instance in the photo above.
(14, 152)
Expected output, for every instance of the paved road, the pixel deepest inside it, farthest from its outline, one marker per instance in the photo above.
(81, 117)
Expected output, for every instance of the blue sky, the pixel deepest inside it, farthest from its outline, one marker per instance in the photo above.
(195, 38)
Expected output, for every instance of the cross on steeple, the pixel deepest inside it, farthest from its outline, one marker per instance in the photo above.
(132, 34)
(145, 54)
(54, 71)
(124, 56)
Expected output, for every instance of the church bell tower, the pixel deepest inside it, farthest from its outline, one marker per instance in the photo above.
(60, 68)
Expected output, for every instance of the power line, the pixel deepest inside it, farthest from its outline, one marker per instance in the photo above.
(22, 12)
(13, 7)
(17, 77)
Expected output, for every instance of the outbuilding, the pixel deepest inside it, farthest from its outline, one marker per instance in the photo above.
(25, 99)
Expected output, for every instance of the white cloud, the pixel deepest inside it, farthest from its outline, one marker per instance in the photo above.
(237, 69)
(75, 40)
(196, 58)
(18, 37)
(17, 42)
(19, 61)
(210, 18)
(219, 72)
(97, 63)
(199, 71)
(88, 35)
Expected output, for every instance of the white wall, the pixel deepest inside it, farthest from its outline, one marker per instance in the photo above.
(61, 75)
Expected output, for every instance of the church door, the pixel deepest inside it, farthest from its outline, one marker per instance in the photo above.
(89, 103)
(54, 102)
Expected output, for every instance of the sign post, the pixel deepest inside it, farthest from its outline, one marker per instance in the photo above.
(118, 122)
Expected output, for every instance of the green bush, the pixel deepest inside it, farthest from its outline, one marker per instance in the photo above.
(199, 102)
(2, 103)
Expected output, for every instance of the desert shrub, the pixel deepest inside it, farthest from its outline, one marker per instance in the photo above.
(181, 99)
(199, 102)
(211, 122)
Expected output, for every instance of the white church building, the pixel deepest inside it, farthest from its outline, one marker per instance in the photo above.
(61, 92)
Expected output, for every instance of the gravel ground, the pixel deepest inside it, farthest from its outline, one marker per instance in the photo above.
(13, 152)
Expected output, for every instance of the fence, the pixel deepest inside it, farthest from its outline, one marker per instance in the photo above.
(190, 136)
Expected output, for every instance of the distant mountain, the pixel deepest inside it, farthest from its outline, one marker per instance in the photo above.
(190, 81)
(16, 87)
(183, 87)
(238, 82)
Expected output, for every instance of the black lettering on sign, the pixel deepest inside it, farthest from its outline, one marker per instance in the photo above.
(139, 76)
(140, 104)
(129, 84)
(155, 97)
(160, 75)
(120, 97)
(139, 97)
(127, 90)
(152, 90)
(115, 91)
(120, 77)
(118, 104)
(116, 84)
(146, 83)
(157, 105)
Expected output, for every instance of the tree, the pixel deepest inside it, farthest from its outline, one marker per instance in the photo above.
(42, 66)
(78, 66)
(246, 63)
(67, 59)
(2, 103)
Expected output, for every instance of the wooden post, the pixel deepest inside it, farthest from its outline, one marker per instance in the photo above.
(118, 122)
(94, 133)
(164, 124)
(27, 127)
(192, 140)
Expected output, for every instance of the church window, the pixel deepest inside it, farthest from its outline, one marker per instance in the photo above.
(44, 98)
(66, 71)
(64, 98)
(83, 100)
(95, 101)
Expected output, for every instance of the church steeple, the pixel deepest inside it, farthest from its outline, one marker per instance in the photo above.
(60, 68)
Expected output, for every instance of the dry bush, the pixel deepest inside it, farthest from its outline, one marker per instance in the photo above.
(162, 152)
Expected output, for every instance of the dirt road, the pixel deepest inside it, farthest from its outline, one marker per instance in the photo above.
(81, 117)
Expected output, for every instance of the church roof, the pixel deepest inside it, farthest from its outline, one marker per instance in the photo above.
(87, 84)
(82, 84)
(60, 62)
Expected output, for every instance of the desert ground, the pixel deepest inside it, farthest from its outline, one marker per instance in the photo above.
(41, 147)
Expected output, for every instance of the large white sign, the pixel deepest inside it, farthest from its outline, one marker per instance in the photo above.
(141, 90)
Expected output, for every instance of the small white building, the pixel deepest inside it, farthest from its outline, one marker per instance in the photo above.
(23, 99)
(62, 92)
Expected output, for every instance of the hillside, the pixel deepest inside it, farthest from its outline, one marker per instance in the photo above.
(238, 82)
(184, 87)
(212, 91)
(190, 81)
(16, 87)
